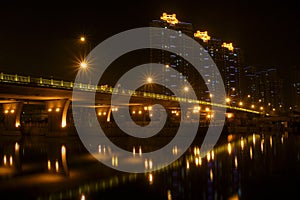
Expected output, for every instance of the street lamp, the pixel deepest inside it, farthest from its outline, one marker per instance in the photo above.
(186, 90)
(83, 65)
(82, 39)
(227, 100)
(149, 80)
(86, 45)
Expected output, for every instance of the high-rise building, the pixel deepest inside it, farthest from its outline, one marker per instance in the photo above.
(171, 60)
(295, 86)
(226, 57)
(249, 84)
(269, 89)
(228, 60)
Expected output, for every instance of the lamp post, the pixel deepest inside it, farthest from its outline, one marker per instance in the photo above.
(85, 68)
(85, 58)
(87, 48)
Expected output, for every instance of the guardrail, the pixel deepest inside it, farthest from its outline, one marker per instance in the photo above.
(52, 83)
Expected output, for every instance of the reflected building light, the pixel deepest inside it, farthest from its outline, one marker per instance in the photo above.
(150, 178)
(169, 195)
(17, 124)
(148, 164)
(82, 197)
(174, 150)
(99, 148)
(196, 150)
(250, 152)
(286, 134)
(17, 147)
(271, 142)
(187, 164)
(262, 145)
(253, 136)
(235, 162)
(56, 166)
(63, 150)
(49, 165)
(4, 160)
(63, 123)
(211, 175)
(140, 151)
(242, 143)
(212, 155)
(104, 149)
(114, 161)
(133, 151)
(208, 156)
(64, 159)
(229, 148)
(282, 139)
(10, 160)
(198, 161)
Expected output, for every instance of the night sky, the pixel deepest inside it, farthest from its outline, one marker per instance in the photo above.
(41, 39)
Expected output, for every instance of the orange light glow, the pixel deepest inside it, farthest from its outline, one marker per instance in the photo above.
(171, 19)
(202, 35)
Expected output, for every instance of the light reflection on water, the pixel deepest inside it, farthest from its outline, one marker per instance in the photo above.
(241, 166)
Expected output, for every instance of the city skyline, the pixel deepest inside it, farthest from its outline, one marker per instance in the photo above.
(44, 40)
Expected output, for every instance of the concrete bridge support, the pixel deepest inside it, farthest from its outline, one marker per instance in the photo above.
(12, 114)
(57, 114)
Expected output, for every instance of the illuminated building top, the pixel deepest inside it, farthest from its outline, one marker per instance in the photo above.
(171, 19)
(202, 35)
(228, 46)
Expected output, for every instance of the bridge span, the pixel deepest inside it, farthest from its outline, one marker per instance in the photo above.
(28, 102)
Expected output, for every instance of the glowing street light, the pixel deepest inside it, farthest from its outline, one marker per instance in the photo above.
(86, 45)
(186, 88)
(149, 80)
(227, 100)
(82, 39)
(83, 65)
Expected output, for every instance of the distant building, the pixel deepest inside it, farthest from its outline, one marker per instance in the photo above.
(295, 86)
(270, 91)
(249, 84)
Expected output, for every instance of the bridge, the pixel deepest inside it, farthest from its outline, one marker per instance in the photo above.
(36, 101)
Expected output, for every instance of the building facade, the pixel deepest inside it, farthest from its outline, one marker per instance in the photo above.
(227, 58)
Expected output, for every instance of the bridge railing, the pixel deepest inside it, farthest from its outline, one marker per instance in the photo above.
(52, 83)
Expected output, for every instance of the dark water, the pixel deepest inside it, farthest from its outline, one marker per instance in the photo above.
(241, 166)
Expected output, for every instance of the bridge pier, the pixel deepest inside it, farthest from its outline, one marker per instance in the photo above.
(12, 114)
(57, 116)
